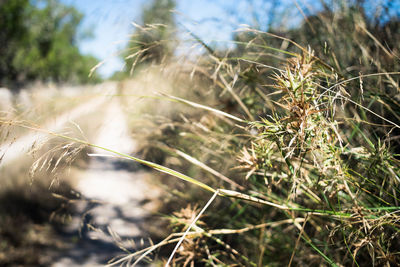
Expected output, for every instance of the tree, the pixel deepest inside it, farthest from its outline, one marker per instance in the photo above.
(12, 34)
(151, 41)
(39, 42)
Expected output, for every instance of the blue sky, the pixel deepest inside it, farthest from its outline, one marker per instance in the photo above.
(211, 20)
(110, 22)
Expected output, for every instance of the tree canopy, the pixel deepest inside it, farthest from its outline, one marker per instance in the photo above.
(38, 41)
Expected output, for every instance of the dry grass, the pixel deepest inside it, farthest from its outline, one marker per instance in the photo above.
(313, 164)
(37, 187)
(283, 157)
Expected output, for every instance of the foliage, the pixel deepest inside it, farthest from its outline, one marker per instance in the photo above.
(40, 43)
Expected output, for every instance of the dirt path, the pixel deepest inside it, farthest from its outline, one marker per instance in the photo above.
(115, 192)
(11, 152)
(117, 196)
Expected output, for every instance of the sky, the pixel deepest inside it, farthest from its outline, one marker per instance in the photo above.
(111, 23)
(212, 20)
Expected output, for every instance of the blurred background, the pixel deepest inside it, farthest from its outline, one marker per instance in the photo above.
(89, 70)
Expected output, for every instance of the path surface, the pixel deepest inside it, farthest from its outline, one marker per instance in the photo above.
(11, 152)
(118, 197)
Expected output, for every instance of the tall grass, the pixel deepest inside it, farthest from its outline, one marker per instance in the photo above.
(299, 145)
(284, 155)
(306, 191)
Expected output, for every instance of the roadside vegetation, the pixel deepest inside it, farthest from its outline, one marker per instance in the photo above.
(281, 151)
(291, 136)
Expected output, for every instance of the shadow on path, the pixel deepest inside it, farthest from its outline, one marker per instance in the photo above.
(115, 203)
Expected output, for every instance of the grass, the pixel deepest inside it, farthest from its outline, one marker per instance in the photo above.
(299, 167)
(298, 143)
(282, 156)
(36, 194)
(310, 178)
